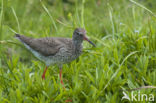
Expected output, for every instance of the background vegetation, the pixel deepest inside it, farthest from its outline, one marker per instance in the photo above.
(125, 56)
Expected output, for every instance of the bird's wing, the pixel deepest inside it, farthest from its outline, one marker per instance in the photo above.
(45, 46)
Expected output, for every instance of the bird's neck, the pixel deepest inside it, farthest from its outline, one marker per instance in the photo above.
(77, 45)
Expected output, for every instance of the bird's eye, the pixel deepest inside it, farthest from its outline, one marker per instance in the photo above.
(79, 33)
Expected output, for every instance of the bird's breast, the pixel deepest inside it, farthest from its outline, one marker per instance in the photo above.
(65, 55)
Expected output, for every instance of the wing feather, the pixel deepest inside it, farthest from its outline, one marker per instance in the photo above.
(45, 46)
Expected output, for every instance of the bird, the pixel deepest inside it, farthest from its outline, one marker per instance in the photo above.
(56, 50)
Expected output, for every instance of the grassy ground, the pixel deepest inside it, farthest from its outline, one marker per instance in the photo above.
(125, 56)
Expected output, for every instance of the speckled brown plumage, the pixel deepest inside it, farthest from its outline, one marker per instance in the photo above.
(45, 46)
(55, 50)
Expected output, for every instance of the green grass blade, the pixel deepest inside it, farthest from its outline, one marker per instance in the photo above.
(51, 17)
(19, 30)
(143, 7)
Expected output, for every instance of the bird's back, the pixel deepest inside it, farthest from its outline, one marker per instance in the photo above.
(51, 50)
(46, 46)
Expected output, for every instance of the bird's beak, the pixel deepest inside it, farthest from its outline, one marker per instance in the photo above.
(85, 38)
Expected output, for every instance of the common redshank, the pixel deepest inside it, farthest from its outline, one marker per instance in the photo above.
(56, 50)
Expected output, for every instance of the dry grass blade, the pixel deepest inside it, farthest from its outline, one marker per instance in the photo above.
(143, 87)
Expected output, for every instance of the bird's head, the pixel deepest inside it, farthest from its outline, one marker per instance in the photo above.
(80, 34)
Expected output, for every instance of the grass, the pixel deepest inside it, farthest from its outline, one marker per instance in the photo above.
(124, 58)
